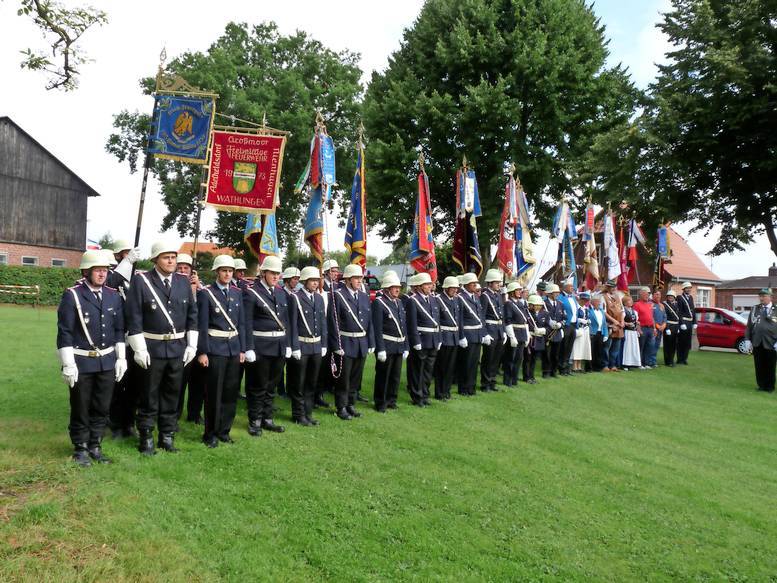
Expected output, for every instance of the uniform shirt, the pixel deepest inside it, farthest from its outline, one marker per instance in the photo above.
(516, 318)
(556, 313)
(672, 313)
(264, 309)
(210, 316)
(493, 309)
(540, 319)
(350, 313)
(389, 320)
(686, 309)
(423, 321)
(472, 318)
(450, 319)
(307, 316)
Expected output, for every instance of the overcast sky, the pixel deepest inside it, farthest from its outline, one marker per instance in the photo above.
(74, 126)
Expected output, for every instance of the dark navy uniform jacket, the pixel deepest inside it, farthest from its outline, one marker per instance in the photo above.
(423, 321)
(315, 317)
(383, 325)
(672, 316)
(117, 282)
(493, 308)
(516, 317)
(450, 320)
(354, 347)
(105, 322)
(536, 320)
(211, 318)
(144, 314)
(686, 310)
(259, 318)
(557, 314)
(472, 318)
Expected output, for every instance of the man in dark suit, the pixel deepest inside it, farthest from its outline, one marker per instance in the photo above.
(350, 338)
(539, 323)
(450, 334)
(517, 330)
(90, 343)
(687, 323)
(389, 325)
(761, 333)
(267, 344)
(423, 331)
(554, 331)
(162, 330)
(326, 382)
(473, 334)
(672, 327)
(308, 346)
(492, 302)
(221, 350)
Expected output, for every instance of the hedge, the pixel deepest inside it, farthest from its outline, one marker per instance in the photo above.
(52, 281)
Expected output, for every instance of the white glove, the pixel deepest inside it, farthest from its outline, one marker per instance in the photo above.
(370, 350)
(540, 332)
(605, 338)
(668, 332)
(513, 342)
(557, 326)
(340, 352)
(751, 345)
(250, 356)
(487, 340)
(552, 323)
(695, 326)
(142, 358)
(683, 327)
(191, 346)
(296, 354)
(583, 322)
(138, 343)
(439, 344)
(323, 351)
(562, 334)
(381, 356)
(504, 339)
(417, 347)
(121, 361)
(463, 343)
(287, 353)
(133, 255)
(69, 369)
(405, 354)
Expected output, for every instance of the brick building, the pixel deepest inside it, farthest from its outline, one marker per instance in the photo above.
(742, 294)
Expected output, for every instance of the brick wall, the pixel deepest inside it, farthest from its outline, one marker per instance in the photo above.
(714, 298)
(13, 253)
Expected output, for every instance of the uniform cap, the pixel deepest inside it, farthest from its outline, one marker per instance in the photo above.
(352, 270)
(160, 247)
(542, 286)
(535, 300)
(271, 263)
(686, 285)
(109, 257)
(767, 291)
(552, 288)
(329, 264)
(222, 261)
(468, 278)
(93, 258)
(513, 286)
(120, 245)
(240, 264)
(423, 278)
(309, 272)
(450, 281)
(185, 258)
(671, 292)
(494, 275)
(290, 272)
(390, 279)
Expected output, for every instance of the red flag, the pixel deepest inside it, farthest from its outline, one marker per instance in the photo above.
(505, 252)
(422, 256)
(624, 277)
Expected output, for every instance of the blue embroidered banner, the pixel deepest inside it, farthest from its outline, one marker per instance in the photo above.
(180, 128)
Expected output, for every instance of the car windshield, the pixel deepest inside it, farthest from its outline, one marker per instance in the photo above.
(739, 317)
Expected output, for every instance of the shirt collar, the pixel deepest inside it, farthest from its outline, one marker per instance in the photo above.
(164, 277)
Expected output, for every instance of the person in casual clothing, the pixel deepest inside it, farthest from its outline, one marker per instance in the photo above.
(614, 312)
(644, 309)
(659, 320)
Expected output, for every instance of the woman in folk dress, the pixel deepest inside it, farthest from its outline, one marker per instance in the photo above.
(581, 349)
(631, 355)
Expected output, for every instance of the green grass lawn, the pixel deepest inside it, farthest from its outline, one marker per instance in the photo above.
(653, 475)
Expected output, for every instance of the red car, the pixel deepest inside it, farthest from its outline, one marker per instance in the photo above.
(721, 328)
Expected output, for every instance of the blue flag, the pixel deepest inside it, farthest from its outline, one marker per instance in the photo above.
(180, 128)
(356, 228)
(314, 224)
(261, 235)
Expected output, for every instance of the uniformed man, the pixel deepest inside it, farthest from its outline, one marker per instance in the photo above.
(290, 277)
(126, 256)
(473, 333)
(221, 350)
(90, 343)
(389, 325)
(571, 308)
(350, 338)
(162, 330)
(239, 275)
(539, 324)
(554, 331)
(761, 335)
(326, 382)
(493, 309)
(672, 327)
(687, 323)
(267, 344)
(517, 330)
(194, 375)
(423, 332)
(450, 334)
(308, 345)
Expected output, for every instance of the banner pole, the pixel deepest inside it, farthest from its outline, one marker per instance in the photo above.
(200, 199)
(146, 167)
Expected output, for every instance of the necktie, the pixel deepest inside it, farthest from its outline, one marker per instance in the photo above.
(225, 291)
(98, 294)
(167, 285)
(356, 297)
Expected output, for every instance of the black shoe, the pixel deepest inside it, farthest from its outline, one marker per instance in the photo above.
(532, 381)
(96, 453)
(392, 406)
(242, 396)
(304, 421)
(352, 411)
(361, 399)
(225, 439)
(546, 375)
(270, 426)
(344, 414)
(380, 409)
(211, 443)
(320, 402)
(255, 428)
(81, 455)
(166, 442)
(313, 421)
(195, 420)
(418, 404)
(146, 443)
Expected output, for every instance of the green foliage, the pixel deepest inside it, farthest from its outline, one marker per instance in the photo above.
(712, 119)
(522, 81)
(256, 71)
(53, 281)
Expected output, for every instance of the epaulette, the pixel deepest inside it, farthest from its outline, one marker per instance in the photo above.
(113, 289)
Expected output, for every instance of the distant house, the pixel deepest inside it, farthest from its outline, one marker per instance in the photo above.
(205, 247)
(742, 294)
(43, 203)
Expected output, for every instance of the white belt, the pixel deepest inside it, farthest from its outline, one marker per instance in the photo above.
(353, 334)
(428, 330)
(672, 321)
(272, 334)
(494, 322)
(394, 338)
(222, 333)
(93, 353)
(170, 336)
(687, 319)
(520, 326)
(478, 327)
(449, 328)
(310, 339)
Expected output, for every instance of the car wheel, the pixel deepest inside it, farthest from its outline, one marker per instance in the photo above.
(743, 347)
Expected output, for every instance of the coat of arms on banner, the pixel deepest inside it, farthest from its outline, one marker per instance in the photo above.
(244, 177)
(180, 128)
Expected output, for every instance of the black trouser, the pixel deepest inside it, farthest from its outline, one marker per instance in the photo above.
(90, 400)
(444, 367)
(222, 387)
(467, 365)
(302, 377)
(567, 344)
(195, 378)
(764, 360)
(387, 378)
(124, 402)
(159, 395)
(326, 382)
(350, 381)
(264, 379)
(489, 364)
(513, 362)
(670, 345)
(597, 352)
(530, 362)
(280, 387)
(550, 357)
(420, 372)
(684, 343)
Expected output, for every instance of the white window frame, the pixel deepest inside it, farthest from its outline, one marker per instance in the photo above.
(699, 303)
(3, 257)
(53, 259)
(37, 261)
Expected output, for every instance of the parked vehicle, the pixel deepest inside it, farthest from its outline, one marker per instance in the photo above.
(721, 328)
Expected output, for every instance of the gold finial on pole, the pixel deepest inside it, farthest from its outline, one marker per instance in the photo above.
(361, 135)
(464, 162)
(160, 68)
(421, 162)
(264, 120)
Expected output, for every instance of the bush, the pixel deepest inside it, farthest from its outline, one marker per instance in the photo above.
(52, 281)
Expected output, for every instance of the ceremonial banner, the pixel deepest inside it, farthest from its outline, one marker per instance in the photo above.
(524, 248)
(356, 228)
(314, 225)
(635, 236)
(422, 256)
(466, 248)
(664, 248)
(590, 260)
(261, 235)
(245, 172)
(624, 277)
(505, 252)
(611, 248)
(180, 128)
